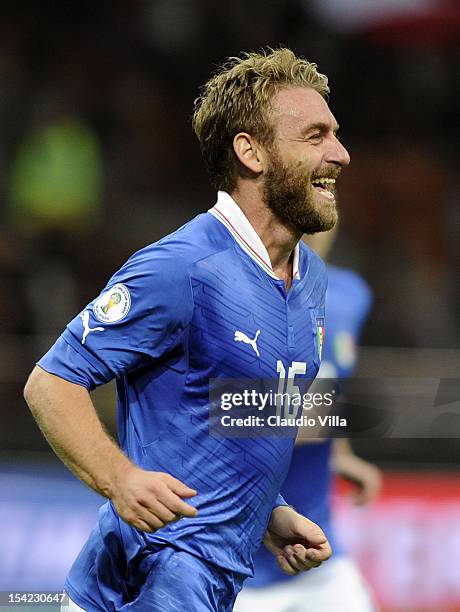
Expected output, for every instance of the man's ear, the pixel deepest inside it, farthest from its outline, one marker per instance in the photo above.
(248, 152)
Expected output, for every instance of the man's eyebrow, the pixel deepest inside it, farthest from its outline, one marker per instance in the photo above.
(319, 126)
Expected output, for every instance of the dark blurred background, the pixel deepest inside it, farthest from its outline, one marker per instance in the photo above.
(98, 158)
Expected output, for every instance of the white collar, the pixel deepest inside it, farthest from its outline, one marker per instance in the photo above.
(227, 211)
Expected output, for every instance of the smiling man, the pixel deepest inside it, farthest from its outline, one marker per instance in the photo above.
(232, 294)
(300, 190)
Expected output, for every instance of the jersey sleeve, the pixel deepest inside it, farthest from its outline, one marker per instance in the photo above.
(279, 501)
(141, 314)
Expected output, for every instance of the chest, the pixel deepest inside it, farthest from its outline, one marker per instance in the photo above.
(245, 326)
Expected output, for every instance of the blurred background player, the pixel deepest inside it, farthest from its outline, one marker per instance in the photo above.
(336, 586)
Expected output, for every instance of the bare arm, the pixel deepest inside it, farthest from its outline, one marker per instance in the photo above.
(67, 417)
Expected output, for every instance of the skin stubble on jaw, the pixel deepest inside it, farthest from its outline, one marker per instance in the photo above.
(289, 194)
(306, 150)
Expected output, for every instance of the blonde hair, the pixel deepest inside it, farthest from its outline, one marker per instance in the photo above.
(237, 98)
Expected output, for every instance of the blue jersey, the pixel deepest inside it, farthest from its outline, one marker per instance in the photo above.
(309, 482)
(164, 326)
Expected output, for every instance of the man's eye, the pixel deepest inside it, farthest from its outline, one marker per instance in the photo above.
(317, 136)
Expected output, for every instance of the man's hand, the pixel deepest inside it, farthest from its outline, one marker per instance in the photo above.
(150, 500)
(366, 477)
(297, 543)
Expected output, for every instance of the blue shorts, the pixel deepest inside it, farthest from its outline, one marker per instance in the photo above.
(175, 581)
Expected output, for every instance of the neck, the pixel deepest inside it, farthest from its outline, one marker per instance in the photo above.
(279, 240)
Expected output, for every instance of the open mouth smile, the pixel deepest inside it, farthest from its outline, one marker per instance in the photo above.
(324, 186)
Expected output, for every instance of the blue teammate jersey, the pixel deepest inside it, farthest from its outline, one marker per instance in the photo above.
(309, 481)
(163, 326)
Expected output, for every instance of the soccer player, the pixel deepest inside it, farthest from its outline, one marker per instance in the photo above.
(338, 585)
(234, 293)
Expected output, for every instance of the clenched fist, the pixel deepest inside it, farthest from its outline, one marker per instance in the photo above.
(150, 500)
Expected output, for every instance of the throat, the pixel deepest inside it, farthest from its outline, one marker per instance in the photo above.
(285, 273)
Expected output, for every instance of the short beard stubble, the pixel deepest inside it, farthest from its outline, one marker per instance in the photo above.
(289, 194)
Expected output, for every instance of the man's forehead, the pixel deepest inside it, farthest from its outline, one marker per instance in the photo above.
(302, 105)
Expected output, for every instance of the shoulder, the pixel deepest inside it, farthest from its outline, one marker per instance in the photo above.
(173, 256)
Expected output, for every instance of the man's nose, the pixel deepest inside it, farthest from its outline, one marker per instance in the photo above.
(338, 154)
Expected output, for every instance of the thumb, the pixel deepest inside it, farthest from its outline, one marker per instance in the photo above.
(310, 532)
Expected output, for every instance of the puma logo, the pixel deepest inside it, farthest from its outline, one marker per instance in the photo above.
(86, 328)
(242, 337)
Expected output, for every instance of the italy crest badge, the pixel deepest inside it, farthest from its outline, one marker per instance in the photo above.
(320, 331)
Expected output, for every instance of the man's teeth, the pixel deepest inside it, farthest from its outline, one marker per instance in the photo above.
(325, 186)
(323, 181)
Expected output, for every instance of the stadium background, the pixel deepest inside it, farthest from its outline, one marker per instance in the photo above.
(97, 158)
